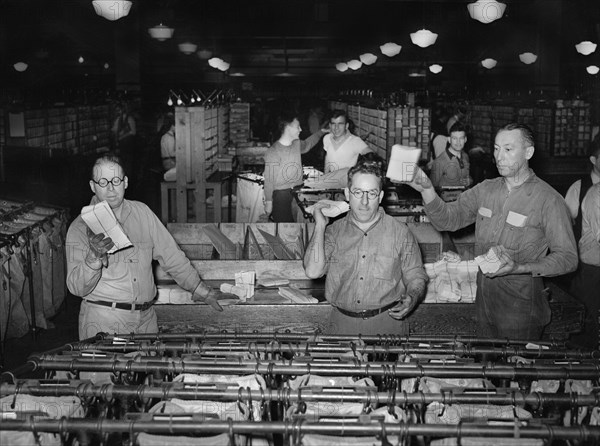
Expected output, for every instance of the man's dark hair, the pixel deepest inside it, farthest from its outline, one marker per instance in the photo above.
(595, 147)
(108, 157)
(526, 132)
(284, 120)
(458, 127)
(368, 163)
(338, 113)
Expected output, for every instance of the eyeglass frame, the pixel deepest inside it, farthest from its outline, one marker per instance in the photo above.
(363, 192)
(109, 182)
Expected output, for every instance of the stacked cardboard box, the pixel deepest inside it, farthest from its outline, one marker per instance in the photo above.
(572, 128)
(239, 122)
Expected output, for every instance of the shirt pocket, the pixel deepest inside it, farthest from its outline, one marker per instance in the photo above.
(483, 223)
(515, 231)
(382, 267)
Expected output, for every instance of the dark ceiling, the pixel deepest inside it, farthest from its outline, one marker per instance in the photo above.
(302, 38)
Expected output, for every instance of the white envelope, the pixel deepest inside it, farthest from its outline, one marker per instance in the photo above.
(101, 220)
(403, 163)
(333, 209)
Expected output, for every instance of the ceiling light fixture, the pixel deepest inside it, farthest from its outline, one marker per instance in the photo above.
(188, 48)
(20, 66)
(592, 69)
(204, 54)
(161, 32)
(423, 38)
(237, 74)
(106, 66)
(527, 58)
(112, 9)
(414, 72)
(81, 59)
(368, 58)
(390, 49)
(489, 63)
(341, 67)
(219, 64)
(354, 64)
(436, 68)
(586, 47)
(486, 11)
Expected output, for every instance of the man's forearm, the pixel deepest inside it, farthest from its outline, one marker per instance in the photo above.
(314, 257)
(428, 195)
(417, 288)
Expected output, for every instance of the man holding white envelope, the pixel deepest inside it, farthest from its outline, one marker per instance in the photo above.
(375, 276)
(524, 222)
(114, 277)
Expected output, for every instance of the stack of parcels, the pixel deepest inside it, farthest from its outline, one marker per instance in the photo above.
(451, 281)
(296, 295)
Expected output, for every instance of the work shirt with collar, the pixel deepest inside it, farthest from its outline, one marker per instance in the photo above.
(589, 244)
(450, 170)
(370, 269)
(129, 276)
(531, 221)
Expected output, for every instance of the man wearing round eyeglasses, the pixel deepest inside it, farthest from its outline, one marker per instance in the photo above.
(341, 147)
(118, 290)
(375, 275)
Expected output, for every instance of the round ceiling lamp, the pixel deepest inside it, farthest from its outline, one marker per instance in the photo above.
(112, 9)
(219, 64)
(390, 49)
(237, 74)
(423, 38)
(20, 66)
(368, 58)
(489, 63)
(527, 58)
(204, 54)
(586, 47)
(592, 69)
(188, 48)
(81, 59)
(161, 32)
(354, 64)
(341, 67)
(106, 66)
(486, 11)
(436, 68)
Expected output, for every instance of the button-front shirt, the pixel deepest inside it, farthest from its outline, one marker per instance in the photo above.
(531, 221)
(450, 170)
(589, 244)
(129, 277)
(370, 269)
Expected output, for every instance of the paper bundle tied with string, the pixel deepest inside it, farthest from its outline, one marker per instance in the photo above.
(246, 280)
(101, 220)
(403, 163)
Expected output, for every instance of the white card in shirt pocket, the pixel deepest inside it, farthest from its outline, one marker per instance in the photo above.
(485, 212)
(516, 219)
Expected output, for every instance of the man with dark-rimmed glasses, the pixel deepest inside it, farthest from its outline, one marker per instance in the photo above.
(375, 275)
(118, 290)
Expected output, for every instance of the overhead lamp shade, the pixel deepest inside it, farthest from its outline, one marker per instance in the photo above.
(204, 54)
(161, 32)
(341, 67)
(423, 38)
(354, 64)
(368, 58)
(20, 66)
(586, 47)
(112, 9)
(215, 62)
(527, 58)
(415, 72)
(435, 68)
(390, 49)
(81, 59)
(237, 74)
(592, 69)
(489, 63)
(106, 65)
(187, 48)
(486, 11)
(224, 66)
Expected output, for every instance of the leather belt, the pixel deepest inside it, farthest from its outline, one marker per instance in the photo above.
(123, 305)
(366, 313)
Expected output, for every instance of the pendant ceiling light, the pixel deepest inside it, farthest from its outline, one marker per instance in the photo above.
(489, 63)
(592, 69)
(161, 32)
(423, 38)
(390, 49)
(341, 67)
(354, 64)
(368, 58)
(112, 9)
(586, 47)
(204, 54)
(20, 66)
(219, 64)
(527, 58)
(435, 68)
(188, 48)
(486, 11)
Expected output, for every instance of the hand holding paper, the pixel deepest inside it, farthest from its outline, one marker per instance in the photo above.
(403, 163)
(102, 221)
(330, 208)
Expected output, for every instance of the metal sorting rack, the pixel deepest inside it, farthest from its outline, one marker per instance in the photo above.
(22, 224)
(293, 389)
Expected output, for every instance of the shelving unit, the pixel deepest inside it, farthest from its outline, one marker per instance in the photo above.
(410, 126)
(572, 128)
(371, 125)
(239, 122)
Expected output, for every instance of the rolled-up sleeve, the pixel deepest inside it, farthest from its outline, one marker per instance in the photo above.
(410, 257)
(81, 279)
